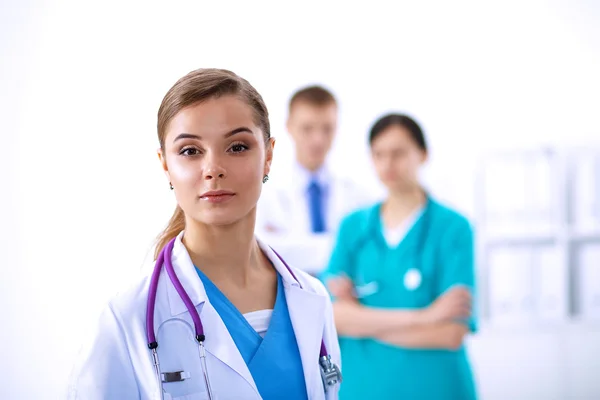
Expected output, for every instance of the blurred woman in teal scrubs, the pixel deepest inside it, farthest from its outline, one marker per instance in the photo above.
(402, 277)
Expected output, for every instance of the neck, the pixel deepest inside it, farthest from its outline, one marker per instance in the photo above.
(399, 205)
(224, 252)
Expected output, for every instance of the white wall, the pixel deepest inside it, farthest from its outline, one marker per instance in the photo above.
(83, 195)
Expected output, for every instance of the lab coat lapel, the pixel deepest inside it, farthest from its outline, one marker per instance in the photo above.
(307, 313)
(308, 319)
(218, 342)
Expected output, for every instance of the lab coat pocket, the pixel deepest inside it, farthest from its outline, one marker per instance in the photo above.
(174, 392)
(179, 360)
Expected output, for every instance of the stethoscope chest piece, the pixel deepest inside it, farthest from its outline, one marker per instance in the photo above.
(330, 372)
(412, 279)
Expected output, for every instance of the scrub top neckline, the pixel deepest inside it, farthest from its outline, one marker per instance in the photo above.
(220, 296)
(378, 228)
(394, 236)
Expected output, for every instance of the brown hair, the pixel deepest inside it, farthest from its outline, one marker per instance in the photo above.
(198, 86)
(314, 95)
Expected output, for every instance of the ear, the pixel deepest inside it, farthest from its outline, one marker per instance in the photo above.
(269, 155)
(424, 157)
(288, 124)
(163, 161)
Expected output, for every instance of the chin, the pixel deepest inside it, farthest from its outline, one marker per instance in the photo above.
(217, 220)
(317, 162)
(392, 185)
(403, 188)
(222, 218)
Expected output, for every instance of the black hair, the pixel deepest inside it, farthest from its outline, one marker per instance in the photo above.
(404, 121)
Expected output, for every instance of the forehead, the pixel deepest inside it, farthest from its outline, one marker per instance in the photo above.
(212, 117)
(303, 110)
(394, 135)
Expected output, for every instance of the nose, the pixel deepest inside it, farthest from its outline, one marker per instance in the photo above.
(321, 138)
(388, 163)
(210, 176)
(214, 169)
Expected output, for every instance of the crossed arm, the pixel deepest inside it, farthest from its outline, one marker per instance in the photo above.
(442, 325)
(433, 327)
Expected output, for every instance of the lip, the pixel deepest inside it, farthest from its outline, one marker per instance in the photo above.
(217, 196)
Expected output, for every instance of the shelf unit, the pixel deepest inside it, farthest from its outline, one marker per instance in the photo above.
(529, 272)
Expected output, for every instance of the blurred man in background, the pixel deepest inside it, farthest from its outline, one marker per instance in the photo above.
(299, 212)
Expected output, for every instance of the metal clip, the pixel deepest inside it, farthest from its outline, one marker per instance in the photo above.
(330, 373)
(177, 376)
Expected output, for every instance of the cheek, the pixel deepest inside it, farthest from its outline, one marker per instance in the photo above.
(408, 168)
(380, 164)
(402, 164)
(183, 170)
(414, 163)
(329, 140)
(250, 175)
(247, 172)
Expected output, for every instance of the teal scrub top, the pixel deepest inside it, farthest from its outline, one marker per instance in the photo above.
(440, 246)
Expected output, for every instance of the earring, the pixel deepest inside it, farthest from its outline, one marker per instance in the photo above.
(170, 186)
(265, 178)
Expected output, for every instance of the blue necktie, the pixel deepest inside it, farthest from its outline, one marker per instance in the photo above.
(315, 203)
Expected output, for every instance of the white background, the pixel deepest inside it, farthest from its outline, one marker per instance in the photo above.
(83, 196)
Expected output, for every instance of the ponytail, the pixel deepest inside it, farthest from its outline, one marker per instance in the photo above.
(174, 228)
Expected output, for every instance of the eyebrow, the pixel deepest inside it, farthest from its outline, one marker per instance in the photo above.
(242, 129)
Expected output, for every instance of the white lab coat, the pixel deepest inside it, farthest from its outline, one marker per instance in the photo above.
(283, 218)
(117, 363)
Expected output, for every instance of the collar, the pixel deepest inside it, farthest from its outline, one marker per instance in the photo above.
(303, 177)
(408, 222)
(375, 222)
(288, 279)
(186, 272)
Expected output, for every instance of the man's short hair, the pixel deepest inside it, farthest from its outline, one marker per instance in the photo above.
(314, 95)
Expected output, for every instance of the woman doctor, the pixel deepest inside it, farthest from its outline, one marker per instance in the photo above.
(222, 317)
(401, 274)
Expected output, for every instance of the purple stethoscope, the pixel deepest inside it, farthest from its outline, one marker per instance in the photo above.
(330, 372)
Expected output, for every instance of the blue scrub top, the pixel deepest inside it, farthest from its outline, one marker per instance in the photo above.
(274, 361)
(440, 246)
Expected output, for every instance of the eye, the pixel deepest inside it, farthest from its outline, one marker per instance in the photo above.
(238, 148)
(189, 151)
